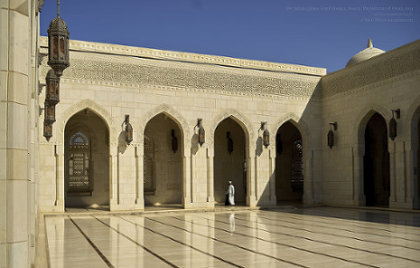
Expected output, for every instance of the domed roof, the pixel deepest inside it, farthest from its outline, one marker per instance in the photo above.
(365, 54)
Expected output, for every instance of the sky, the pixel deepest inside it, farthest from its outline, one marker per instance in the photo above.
(319, 33)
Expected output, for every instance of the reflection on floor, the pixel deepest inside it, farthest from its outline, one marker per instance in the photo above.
(308, 237)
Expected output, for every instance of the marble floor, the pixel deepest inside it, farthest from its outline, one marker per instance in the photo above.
(303, 237)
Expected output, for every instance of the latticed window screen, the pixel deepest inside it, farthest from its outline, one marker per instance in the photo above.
(296, 178)
(149, 183)
(79, 179)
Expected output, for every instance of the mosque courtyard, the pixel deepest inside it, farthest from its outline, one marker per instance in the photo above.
(284, 237)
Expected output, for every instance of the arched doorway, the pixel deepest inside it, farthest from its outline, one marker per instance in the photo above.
(289, 164)
(229, 160)
(163, 161)
(376, 162)
(86, 161)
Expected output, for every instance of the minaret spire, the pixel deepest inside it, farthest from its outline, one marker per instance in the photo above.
(370, 45)
(58, 8)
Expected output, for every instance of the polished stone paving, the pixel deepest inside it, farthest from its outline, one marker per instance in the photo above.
(303, 237)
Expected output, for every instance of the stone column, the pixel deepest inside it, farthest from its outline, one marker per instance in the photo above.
(193, 178)
(412, 174)
(140, 177)
(359, 195)
(256, 179)
(251, 175)
(272, 174)
(15, 81)
(187, 179)
(392, 173)
(59, 156)
(113, 191)
(308, 180)
(401, 175)
(210, 175)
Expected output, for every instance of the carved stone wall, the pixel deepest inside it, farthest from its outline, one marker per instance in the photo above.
(211, 77)
(399, 64)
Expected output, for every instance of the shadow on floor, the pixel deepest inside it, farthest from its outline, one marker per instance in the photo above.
(375, 215)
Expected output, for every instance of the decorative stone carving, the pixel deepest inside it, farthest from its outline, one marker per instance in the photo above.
(186, 57)
(373, 73)
(129, 75)
(259, 78)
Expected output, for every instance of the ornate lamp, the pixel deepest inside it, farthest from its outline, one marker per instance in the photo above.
(49, 113)
(47, 130)
(266, 134)
(393, 124)
(330, 138)
(49, 119)
(58, 44)
(53, 88)
(58, 59)
(201, 132)
(330, 135)
(128, 130)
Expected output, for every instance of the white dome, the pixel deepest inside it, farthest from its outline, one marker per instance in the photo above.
(365, 54)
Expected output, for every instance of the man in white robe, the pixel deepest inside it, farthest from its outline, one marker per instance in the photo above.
(230, 195)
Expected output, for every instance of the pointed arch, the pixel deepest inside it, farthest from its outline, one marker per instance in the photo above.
(171, 155)
(237, 117)
(86, 166)
(231, 153)
(65, 116)
(363, 118)
(289, 163)
(297, 121)
(413, 137)
(171, 113)
(413, 116)
(376, 160)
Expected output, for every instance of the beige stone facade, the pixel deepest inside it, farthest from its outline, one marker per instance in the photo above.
(87, 162)
(164, 90)
(351, 96)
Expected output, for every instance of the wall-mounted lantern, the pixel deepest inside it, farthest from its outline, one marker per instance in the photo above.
(174, 141)
(201, 132)
(266, 134)
(53, 88)
(49, 113)
(47, 130)
(229, 143)
(393, 124)
(128, 130)
(330, 135)
(58, 44)
(58, 60)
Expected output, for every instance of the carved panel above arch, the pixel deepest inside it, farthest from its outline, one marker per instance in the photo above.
(105, 71)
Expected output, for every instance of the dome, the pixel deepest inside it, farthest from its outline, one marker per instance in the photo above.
(365, 54)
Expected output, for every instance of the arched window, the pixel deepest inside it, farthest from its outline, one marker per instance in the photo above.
(79, 163)
(79, 139)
